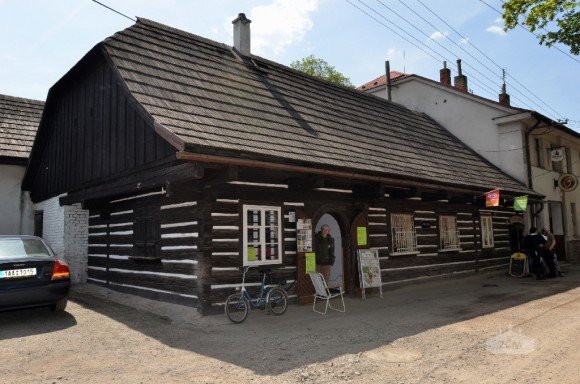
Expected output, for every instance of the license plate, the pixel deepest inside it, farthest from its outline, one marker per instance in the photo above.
(11, 273)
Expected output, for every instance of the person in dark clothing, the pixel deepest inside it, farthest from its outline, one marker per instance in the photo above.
(533, 245)
(324, 247)
(549, 253)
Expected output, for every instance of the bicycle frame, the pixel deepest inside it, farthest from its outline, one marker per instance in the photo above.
(260, 300)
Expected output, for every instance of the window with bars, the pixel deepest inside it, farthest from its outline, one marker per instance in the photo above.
(486, 231)
(403, 233)
(448, 233)
(262, 235)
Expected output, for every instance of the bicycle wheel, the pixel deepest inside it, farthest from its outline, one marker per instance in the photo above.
(277, 301)
(237, 308)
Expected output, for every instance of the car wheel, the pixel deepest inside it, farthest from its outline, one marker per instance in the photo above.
(59, 306)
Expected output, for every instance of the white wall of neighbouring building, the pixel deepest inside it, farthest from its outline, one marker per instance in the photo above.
(16, 214)
(65, 229)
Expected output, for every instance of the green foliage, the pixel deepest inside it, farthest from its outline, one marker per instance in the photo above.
(314, 66)
(537, 14)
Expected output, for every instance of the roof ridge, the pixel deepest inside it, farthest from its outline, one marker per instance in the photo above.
(21, 99)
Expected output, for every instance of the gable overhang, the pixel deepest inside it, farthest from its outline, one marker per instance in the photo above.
(338, 173)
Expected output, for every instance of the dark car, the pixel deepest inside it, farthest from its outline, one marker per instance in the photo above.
(31, 275)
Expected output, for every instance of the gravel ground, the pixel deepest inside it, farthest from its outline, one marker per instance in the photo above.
(439, 332)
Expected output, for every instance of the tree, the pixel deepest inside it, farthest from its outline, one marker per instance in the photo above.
(537, 14)
(317, 67)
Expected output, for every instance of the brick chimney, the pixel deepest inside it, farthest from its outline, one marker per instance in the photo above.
(445, 75)
(242, 34)
(460, 79)
(504, 98)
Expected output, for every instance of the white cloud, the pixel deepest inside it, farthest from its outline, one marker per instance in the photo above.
(278, 25)
(465, 40)
(438, 35)
(496, 29)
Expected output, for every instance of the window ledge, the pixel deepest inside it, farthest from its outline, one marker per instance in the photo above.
(449, 250)
(260, 263)
(404, 253)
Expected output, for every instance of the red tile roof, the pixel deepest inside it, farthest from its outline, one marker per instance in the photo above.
(382, 80)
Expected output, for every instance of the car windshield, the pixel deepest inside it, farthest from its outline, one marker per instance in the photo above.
(19, 248)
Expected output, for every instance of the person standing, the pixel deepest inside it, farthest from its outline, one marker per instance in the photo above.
(324, 247)
(532, 245)
(549, 254)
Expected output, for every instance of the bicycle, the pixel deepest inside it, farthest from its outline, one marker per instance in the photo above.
(271, 297)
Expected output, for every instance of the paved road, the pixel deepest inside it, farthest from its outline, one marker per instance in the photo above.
(442, 332)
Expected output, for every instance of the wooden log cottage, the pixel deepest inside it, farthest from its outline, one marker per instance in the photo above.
(194, 158)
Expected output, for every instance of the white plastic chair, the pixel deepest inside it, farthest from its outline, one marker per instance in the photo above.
(323, 292)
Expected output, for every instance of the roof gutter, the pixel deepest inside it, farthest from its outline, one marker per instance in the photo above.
(215, 159)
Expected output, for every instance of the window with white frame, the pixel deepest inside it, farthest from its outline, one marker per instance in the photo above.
(448, 233)
(486, 231)
(262, 235)
(403, 233)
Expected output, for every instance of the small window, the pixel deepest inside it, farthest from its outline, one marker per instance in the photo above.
(539, 152)
(558, 166)
(38, 223)
(404, 234)
(262, 235)
(146, 233)
(448, 233)
(486, 231)
(574, 222)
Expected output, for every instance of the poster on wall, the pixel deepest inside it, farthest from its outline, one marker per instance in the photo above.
(304, 235)
(310, 262)
(369, 270)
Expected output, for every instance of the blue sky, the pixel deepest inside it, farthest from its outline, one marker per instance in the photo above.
(42, 39)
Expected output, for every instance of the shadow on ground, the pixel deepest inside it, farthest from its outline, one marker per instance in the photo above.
(270, 345)
(34, 321)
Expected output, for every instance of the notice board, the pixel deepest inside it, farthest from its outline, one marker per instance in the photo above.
(369, 270)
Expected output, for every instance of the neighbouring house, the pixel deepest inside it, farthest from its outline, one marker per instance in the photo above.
(191, 158)
(518, 141)
(19, 119)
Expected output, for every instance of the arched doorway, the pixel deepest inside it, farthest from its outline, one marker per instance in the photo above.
(337, 271)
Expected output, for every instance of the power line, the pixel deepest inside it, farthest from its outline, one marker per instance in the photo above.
(441, 57)
(467, 41)
(446, 49)
(439, 44)
(535, 34)
(114, 10)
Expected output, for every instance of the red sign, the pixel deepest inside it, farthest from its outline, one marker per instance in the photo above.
(492, 198)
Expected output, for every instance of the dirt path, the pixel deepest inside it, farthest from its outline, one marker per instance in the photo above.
(434, 333)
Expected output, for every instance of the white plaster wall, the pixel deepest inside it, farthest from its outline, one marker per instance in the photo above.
(15, 206)
(65, 229)
(470, 121)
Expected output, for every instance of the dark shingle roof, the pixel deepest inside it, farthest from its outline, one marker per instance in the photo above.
(19, 119)
(216, 101)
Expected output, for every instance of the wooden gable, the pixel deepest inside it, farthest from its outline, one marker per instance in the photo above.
(91, 132)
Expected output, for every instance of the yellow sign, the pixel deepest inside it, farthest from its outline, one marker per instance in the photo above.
(361, 236)
(252, 256)
(310, 262)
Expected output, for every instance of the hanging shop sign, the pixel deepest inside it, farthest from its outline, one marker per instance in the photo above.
(492, 198)
(369, 270)
(567, 182)
(521, 203)
(304, 235)
(557, 154)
